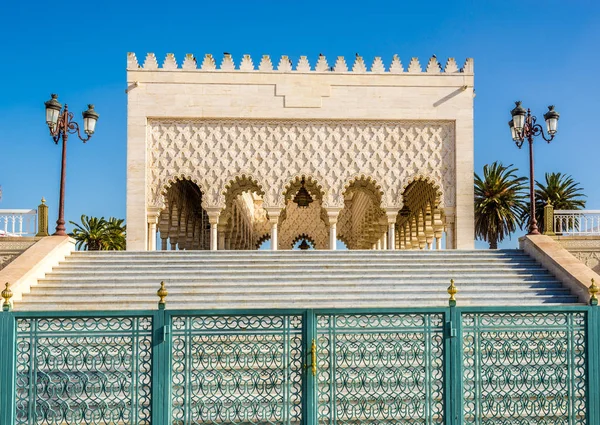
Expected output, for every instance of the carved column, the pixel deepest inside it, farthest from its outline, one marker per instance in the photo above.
(221, 237)
(152, 215)
(332, 216)
(273, 220)
(421, 226)
(391, 215)
(429, 232)
(406, 235)
(213, 219)
(438, 228)
(414, 232)
(450, 243)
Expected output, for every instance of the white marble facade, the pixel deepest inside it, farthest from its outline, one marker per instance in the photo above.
(348, 130)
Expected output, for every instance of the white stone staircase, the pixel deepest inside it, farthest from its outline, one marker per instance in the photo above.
(293, 279)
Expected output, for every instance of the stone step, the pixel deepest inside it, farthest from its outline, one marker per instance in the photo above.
(283, 279)
(278, 276)
(299, 257)
(295, 253)
(289, 261)
(300, 271)
(235, 286)
(220, 261)
(142, 304)
(347, 294)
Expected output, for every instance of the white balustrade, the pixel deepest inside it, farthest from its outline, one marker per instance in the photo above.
(577, 222)
(18, 222)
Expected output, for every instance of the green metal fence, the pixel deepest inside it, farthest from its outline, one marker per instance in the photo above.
(454, 366)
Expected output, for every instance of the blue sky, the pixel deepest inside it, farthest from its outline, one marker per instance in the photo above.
(547, 54)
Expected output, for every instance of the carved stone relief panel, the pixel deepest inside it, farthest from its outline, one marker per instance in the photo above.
(274, 152)
(305, 221)
(6, 258)
(11, 249)
(589, 258)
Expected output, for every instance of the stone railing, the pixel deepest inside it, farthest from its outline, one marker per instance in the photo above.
(24, 222)
(578, 231)
(18, 222)
(576, 222)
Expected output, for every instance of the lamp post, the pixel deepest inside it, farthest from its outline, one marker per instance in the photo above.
(523, 126)
(60, 123)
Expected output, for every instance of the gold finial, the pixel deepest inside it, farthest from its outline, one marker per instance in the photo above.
(43, 201)
(7, 295)
(452, 291)
(593, 290)
(162, 293)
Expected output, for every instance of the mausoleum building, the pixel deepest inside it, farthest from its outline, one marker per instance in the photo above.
(224, 155)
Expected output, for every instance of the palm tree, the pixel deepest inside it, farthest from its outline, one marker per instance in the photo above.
(499, 203)
(561, 191)
(115, 235)
(89, 233)
(96, 234)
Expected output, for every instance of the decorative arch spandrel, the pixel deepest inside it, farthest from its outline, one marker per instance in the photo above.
(210, 151)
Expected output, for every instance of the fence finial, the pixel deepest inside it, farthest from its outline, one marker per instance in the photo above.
(593, 290)
(7, 295)
(452, 291)
(162, 294)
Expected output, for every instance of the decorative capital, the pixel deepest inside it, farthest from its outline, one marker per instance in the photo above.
(7, 295)
(593, 290)
(452, 291)
(162, 294)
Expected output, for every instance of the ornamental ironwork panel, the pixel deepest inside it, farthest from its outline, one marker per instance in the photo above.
(77, 370)
(380, 368)
(524, 368)
(236, 369)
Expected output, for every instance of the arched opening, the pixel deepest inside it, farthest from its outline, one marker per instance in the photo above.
(183, 223)
(243, 223)
(264, 242)
(420, 223)
(341, 245)
(362, 223)
(303, 214)
(303, 242)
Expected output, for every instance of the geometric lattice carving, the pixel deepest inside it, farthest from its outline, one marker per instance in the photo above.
(212, 153)
(521, 368)
(305, 221)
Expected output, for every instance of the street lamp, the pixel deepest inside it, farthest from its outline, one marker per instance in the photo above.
(523, 126)
(60, 123)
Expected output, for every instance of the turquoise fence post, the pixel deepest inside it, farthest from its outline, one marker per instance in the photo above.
(309, 395)
(160, 367)
(7, 359)
(453, 375)
(593, 356)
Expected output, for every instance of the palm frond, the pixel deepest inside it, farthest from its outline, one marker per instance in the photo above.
(499, 202)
